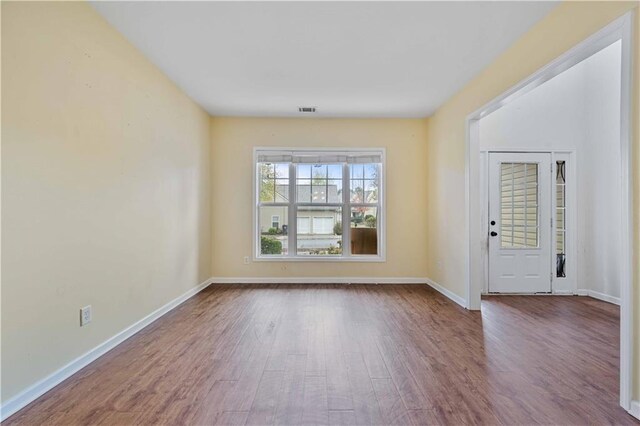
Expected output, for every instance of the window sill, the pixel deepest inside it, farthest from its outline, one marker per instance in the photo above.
(310, 259)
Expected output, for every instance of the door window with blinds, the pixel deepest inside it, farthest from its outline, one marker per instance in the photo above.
(329, 204)
(519, 205)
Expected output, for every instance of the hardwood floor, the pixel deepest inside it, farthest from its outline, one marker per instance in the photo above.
(359, 354)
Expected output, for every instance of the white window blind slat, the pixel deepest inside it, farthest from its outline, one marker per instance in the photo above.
(319, 159)
(364, 159)
(275, 157)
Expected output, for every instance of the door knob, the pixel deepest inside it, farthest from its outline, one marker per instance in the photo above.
(494, 233)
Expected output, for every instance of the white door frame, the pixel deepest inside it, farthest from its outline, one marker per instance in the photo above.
(620, 29)
(569, 284)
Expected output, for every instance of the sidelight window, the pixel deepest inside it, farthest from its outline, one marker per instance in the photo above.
(561, 218)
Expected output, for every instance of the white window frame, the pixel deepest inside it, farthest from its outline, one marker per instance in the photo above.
(346, 204)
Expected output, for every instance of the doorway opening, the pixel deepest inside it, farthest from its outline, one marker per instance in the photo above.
(567, 227)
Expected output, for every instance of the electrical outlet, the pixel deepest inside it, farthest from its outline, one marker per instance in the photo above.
(246, 260)
(85, 315)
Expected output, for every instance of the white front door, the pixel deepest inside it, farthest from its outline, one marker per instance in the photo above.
(519, 223)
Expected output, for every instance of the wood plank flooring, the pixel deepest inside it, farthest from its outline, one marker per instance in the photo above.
(352, 355)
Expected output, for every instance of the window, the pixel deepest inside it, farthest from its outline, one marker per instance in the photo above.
(519, 205)
(561, 216)
(309, 195)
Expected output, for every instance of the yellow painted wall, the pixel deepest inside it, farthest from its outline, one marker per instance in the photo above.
(105, 187)
(566, 25)
(232, 143)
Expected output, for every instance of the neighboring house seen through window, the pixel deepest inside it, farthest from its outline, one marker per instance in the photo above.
(304, 199)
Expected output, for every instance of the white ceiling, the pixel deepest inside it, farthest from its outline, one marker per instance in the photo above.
(348, 59)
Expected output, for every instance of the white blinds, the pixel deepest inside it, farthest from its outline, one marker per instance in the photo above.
(365, 158)
(315, 157)
(274, 157)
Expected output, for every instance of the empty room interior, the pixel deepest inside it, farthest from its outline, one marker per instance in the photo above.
(345, 213)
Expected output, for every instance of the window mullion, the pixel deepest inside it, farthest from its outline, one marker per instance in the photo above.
(346, 211)
(293, 223)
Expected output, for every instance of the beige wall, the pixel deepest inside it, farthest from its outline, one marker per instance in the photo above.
(232, 143)
(564, 27)
(105, 171)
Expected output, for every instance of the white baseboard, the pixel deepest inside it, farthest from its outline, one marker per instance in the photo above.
(447, 293)
(599, 296)
(317, 280)
(34, 391)
(635, 409)
(340, 280)
(562, 293)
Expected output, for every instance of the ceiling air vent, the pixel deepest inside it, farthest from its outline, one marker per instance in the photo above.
(306, 109)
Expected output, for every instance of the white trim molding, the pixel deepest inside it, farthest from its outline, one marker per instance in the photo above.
(447, 293)
(318, 280)
(342, 280)
(634, 410)
(599, 296)
(34, 391)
